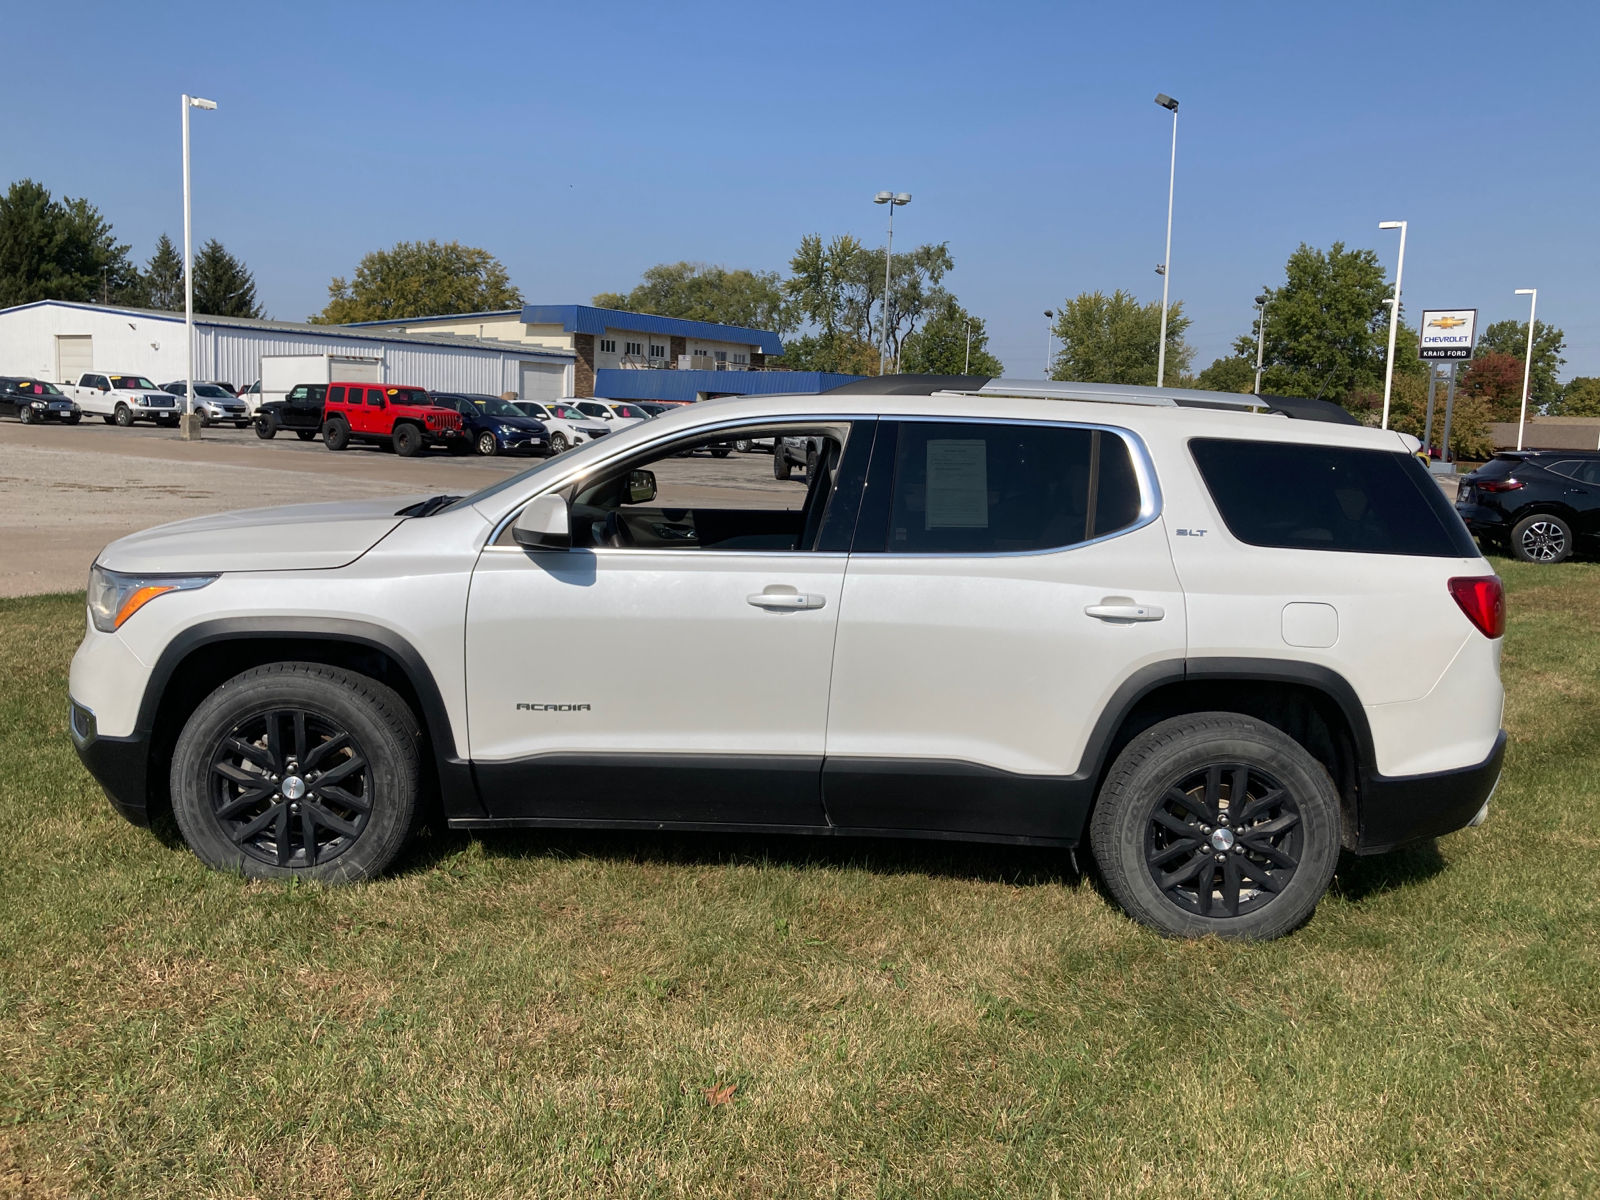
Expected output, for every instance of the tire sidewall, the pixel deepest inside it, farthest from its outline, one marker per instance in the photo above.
(336, 435)
(123, 416)
(1177, 747)
(407, 441)
(487, 445)
(1550, 518)
(374, 716)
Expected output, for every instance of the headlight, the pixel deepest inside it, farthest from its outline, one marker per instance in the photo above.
(509, 431)
(114, 597)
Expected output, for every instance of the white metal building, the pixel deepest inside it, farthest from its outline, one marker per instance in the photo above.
(59, 341)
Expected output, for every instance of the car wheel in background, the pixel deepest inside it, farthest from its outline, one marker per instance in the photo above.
(488, 444)
(107, 418)
(123, 415)
(742, 445)
(25, 414)
(781, 467)
(266, 430)
(336, 435)
(305, 435)
(1217, 823)
(298, 771)
(558, 443)
(407, 440)
(241, 424)
(205, 419)
(1541, 538)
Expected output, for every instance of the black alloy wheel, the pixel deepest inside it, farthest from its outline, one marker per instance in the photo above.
(1542, 538)
(407, 440)
(266, 429)
(336, 434)
(1224, 840)
(305, 435)
(124, 415)
(488, 444)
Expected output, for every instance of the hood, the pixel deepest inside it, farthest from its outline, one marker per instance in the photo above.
(532, 423)
(299, 537)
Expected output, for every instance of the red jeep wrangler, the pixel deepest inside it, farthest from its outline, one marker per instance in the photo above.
(387, 414)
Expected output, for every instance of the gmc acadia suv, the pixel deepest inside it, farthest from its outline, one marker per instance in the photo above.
(1215, 646)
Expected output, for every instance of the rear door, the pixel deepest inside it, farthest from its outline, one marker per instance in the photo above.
(1006, 579)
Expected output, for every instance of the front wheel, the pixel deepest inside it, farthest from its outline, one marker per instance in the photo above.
(336, 435)
(265, 429)
(1541, 538)
(124, 415)
(107, 418)
(26, 415)
(298, 771)
(305, 435)
(743, 445)
(559, 443)
(407, 440)
(488, 444)
(1217, 823)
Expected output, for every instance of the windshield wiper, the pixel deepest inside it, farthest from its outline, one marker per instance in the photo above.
(426, 508)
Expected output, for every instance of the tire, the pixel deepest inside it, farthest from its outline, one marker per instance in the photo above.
(107, 418)
(811, 464)
(25, 414)
(1542, 538)
(488, 445)
(205, 420)
(73, 419)
(306, 435)
(123, 415)
(742, 445)
(266, 429)
(407, 440)
(227, 769)
(336, 434)
(782, 468)
(241, 424)
(559, 443)
(1271, 880)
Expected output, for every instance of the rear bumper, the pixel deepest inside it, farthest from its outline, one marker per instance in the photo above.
(1399, 809)
(120, 765)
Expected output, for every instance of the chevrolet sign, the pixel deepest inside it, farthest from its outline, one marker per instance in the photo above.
(1448, 333)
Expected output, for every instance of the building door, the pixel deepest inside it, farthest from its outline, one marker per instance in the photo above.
(541, 382)
(362, 370)
(74, 357)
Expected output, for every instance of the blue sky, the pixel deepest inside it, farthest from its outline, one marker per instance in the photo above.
(582, 143)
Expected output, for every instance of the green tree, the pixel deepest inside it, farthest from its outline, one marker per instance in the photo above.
(59, 250)
(1511, 337)
(163, 277)
(940, 347)
(1581, 397)
(1231, 374)
(700, 292)
(420, 279)
(222, 285)
(1114, 339)
(1495, 378)
(1327, 327)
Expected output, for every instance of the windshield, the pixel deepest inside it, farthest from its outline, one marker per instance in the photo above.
(136, 383)
(595, 410)
(211, 390)
(493, 406)
(406, 396)
(568, 413)
(529, 409)
(30, 387)
(628, 410)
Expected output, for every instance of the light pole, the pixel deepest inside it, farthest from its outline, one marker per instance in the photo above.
(1394, 315)
(894, 200)
(1049, 330)
(1167, 102)
(966, 367)
(1527, 365)
(1261, 338)
(188, 271)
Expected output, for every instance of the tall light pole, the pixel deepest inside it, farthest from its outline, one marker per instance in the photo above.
(1527, 365)
(1169, 103)
(1049, 330)
(966, 367)
(1261, 338)
(188, 267)
(894, 200)
(1394, 315)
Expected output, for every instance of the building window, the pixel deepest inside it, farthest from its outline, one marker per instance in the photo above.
(632, 348)
(722, 356)
(741, 358)
(657, 351)
(607, 346)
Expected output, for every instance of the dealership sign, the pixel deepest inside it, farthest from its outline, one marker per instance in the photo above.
(1448, 333)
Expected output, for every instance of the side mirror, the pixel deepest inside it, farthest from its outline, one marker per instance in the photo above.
(641, 487)
(544, 524)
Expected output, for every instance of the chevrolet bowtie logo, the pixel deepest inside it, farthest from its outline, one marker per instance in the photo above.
(1446, 322)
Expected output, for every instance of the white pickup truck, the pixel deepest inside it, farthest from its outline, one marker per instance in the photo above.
(124, 399)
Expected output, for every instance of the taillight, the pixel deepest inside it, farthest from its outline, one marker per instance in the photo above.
(1483, 599)
(1499, 485)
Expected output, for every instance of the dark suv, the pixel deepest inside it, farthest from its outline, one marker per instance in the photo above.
(300, 412)
(495, 426)
(1538, 505)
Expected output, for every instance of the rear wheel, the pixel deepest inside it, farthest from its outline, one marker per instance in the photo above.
(298, 771)
(781, 467)
(407, 440)
(123, 415)
(336, 434)
(305, 435)
(1541, 538)
(742, 445)
(265, 429)
(1217, 823)
(488, 444)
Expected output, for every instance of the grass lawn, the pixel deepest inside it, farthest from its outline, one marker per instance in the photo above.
(721, 1016)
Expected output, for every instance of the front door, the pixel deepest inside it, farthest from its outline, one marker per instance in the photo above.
(673, 666)
(1007, 579)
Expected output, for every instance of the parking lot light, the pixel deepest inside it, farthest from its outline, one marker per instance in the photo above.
(1171, 105)
(1527, 363)
(188, 265)
(1394, 316)
(1261, 338)
(894, 200)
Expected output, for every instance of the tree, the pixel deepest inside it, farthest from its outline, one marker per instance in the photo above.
(222, 285)
(1113, 339)
(1581, 397)
(1327, 327)
(698, 292)
(1495, 378)
(1511, 337)
(1232, 374)
(59, 250)
(163, 277)
(1408, 413)
(940, 346)
(420, 279)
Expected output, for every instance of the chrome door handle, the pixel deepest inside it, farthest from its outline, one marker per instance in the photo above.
(1126, 612)
(784, 600)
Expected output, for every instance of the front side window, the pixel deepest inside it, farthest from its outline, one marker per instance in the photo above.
(977, 488)
(1308, 497)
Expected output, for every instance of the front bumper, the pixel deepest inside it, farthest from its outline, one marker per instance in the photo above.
(1399, 809)
(120, 765)
(522, 439)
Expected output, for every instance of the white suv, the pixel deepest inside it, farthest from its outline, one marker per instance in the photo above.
(1214, 645)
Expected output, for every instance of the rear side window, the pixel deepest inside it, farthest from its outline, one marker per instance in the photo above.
(336, 395)
(1304, 497)
(1584, 471)
(969, 488)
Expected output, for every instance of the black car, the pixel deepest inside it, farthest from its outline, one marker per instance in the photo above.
(1538, 505)
(33, 400)
(495, 426)
(300, 412)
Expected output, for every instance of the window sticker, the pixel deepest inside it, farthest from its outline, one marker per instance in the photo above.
(958, 484)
